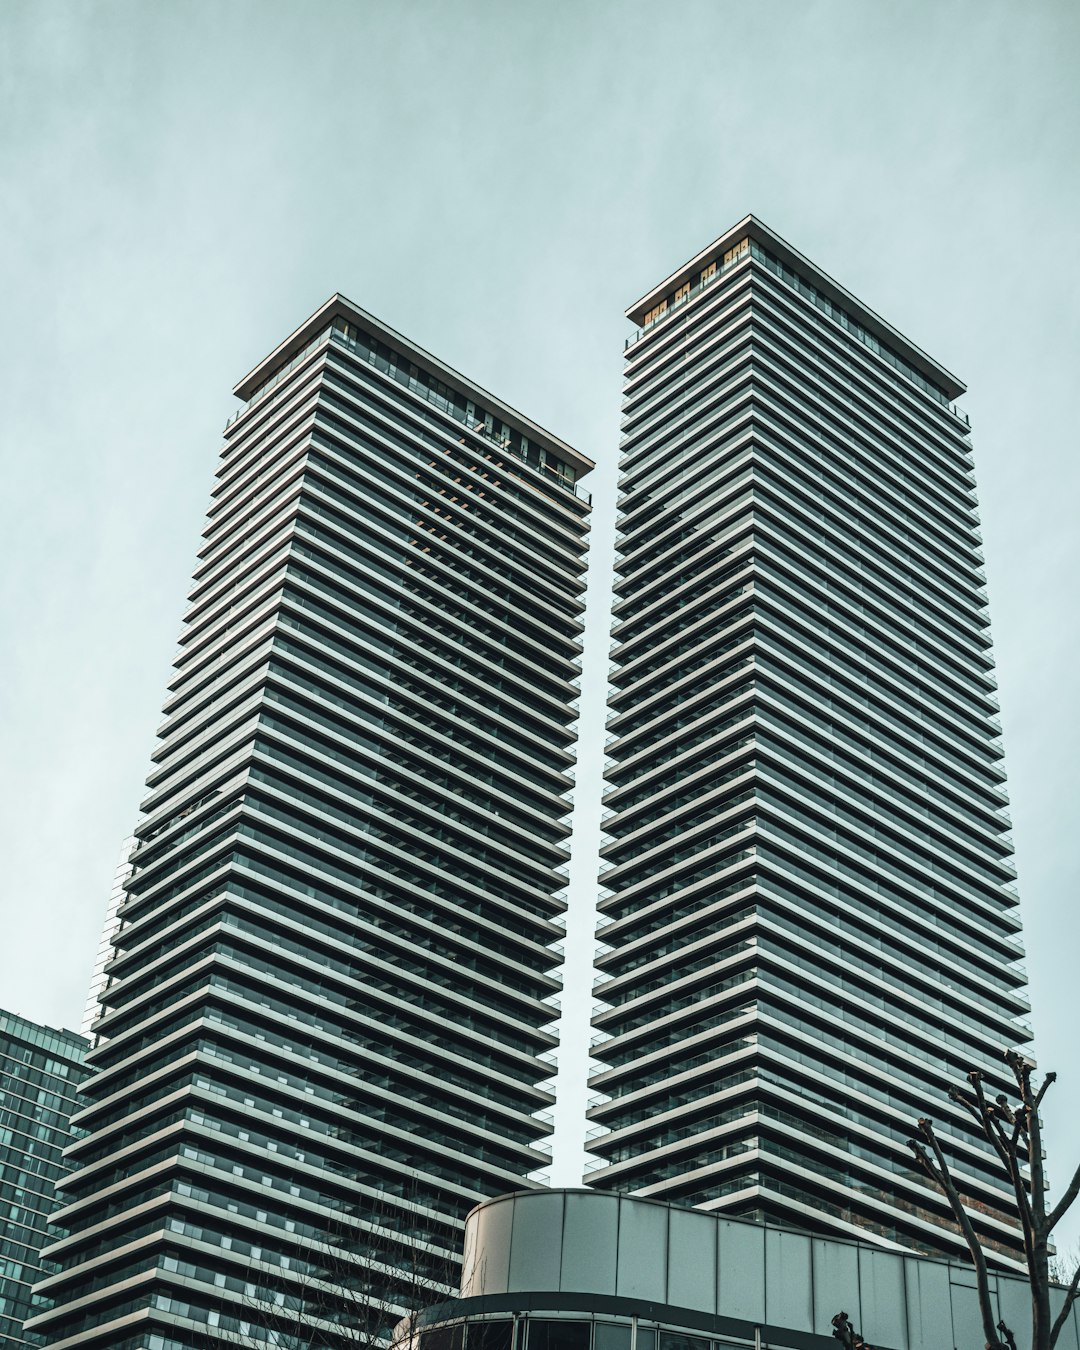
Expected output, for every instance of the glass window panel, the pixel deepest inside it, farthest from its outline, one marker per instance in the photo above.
(673, 1340)
(445, 1338)
(558, 1335)
(496, 1335)
(612, 1336)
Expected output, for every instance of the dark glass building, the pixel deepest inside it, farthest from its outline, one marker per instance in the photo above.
(40, 1072)
(809, 921)
(325, 1028)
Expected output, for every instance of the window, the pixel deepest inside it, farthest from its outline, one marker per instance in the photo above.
(612, 1336)
(558, 1335)
(445, 1338)
(740, 250)
(490, 1335)
(671, 1340)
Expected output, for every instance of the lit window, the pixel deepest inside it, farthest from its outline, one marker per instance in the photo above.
(740, 250)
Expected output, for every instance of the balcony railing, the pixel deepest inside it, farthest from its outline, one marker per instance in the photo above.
(822, 302)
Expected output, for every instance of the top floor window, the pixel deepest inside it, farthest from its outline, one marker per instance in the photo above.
(740, 250)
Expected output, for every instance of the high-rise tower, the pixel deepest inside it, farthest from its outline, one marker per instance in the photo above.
(322, 1035)
(40, 1071)
(809, 920)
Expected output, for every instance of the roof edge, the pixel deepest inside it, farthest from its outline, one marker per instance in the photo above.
(756, 229)
(339, 306)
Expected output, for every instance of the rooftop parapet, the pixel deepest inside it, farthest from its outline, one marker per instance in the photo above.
(723, 252)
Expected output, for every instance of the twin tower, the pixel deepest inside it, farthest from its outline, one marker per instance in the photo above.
(327, 1021)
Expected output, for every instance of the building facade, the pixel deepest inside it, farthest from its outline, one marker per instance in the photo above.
(325, 1028)
(40, 1072)
(99, 979)
(584, 1270)
(809, 922)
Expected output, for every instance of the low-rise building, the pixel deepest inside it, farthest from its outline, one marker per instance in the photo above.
(585, 1270)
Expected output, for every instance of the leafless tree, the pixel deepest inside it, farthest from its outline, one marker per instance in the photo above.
(1014, 1131)
(1064, 1262)
(346, 1289)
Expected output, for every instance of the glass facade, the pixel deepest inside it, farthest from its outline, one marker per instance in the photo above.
(809, 926)
(325, 1031)
(528, 1331)
(40, 1072)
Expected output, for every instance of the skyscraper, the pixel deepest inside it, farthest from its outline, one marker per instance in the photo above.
(809, 921)
(40, 1071)
(99, 979)
(322, 1036)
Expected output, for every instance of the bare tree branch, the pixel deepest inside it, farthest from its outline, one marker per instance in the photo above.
(1014, 1132)
(346, 1287)
(1062, 1206)
(1010, 1161)
(1071, 1295)
(943, 1176)
(976, 1107)
(1048, 1081)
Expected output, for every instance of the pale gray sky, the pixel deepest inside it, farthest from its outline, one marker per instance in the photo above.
(182, 183)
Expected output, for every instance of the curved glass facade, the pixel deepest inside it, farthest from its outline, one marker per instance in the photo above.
(809, 923)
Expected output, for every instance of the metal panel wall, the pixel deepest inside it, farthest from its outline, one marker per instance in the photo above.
(590, 1243)
(681, 1261)
(692, 1247)
(536, 1243)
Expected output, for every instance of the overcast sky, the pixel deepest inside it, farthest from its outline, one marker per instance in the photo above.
(182, 183)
